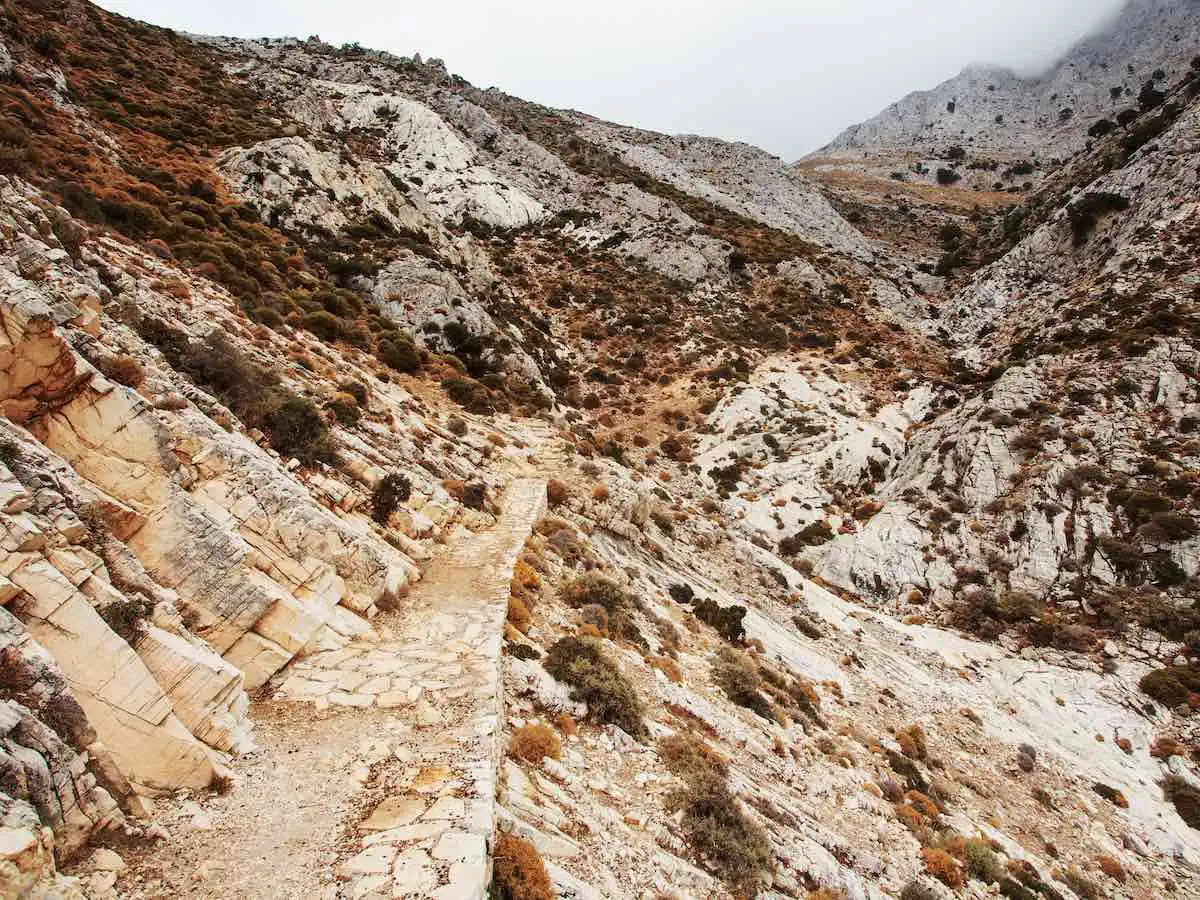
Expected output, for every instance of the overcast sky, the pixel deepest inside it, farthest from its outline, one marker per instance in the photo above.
(786, 75)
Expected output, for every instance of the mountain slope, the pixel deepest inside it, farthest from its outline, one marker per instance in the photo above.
(997, 116)
(409, 490)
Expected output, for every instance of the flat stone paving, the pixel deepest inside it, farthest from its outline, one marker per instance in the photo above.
(430, 795)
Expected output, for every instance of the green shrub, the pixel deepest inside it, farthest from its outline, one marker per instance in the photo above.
(392, 490)
(593, 589)
(727, 620)
(323, 324)
(811, 535)
(1186, 799)
(293, 425)
(597, 682)
(469, 394)
(737, 675)
(399, 354)
(356, 390)
(474, 495)
(1171, 685)
(713, 823)
(265, 315)
(982, 862)
(345, 407)
(1085, 212)
(296, 428)
(126, 617)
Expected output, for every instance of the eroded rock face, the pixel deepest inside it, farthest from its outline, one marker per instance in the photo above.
(156, 565)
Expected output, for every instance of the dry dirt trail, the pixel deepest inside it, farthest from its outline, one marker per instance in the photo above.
(376, 769)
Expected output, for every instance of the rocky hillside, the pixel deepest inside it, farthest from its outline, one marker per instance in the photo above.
(407, 490)
(995, 128)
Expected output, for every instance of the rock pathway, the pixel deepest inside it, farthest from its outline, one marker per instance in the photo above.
(432, 796)
(377, 764)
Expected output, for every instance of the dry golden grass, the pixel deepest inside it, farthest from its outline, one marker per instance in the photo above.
(534, 741)
(668, 667)
(949, 198)
(518, 871)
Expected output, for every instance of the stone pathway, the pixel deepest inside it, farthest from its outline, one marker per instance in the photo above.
(430, 794)
(377, 764)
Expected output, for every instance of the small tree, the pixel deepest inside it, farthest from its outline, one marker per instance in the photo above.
(391, 491)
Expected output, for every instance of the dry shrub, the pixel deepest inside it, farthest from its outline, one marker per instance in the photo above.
(1083, 886)
(912, 742)
(518, 614)
(942, 866)
(688, 757)
(566, 724)
(600, 493)
(910, 817)
(534, 741)
(526, 576)
(737, 675)
(982, 862)
(592, 589)
(597, 682)
(916, 890)
(714, 823)
(556, 492)
(124, 370)
(518, 872)
(1111, 867)
(922, 804)
(668, 667)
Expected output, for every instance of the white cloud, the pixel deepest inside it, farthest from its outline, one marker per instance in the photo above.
(784, 75)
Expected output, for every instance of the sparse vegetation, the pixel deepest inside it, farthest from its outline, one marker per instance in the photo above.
(714, 824)
(737, 675)
(598, 682)
(293, 424)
